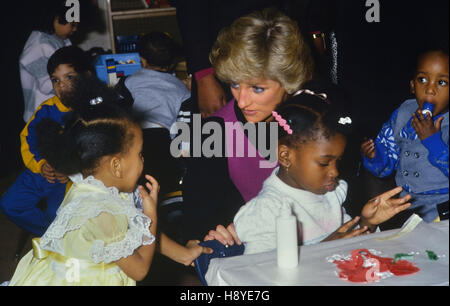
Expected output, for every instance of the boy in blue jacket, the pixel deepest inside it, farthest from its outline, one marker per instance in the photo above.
(416, 145)
(40, 180)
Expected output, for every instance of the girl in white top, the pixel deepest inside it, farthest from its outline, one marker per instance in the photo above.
(99, 237)
(312, 141)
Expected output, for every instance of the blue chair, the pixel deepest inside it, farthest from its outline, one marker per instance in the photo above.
(220, 251)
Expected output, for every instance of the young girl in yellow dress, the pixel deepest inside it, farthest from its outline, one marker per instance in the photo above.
(99, 237)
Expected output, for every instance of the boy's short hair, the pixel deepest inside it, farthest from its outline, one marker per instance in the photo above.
(435, 46)
(73, 56)
(265, 44)
(158, 49)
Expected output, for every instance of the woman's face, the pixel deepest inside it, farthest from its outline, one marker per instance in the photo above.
(258, 99)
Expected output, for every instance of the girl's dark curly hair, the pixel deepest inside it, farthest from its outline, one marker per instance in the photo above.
(97, 127)
(311, 117)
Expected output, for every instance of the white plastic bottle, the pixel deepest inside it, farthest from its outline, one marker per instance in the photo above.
(287, 248)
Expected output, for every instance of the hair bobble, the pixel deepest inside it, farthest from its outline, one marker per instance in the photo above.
(282, 122)
(96, 101)
(344, 121)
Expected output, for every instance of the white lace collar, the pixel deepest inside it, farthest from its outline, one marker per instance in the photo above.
(91, 180)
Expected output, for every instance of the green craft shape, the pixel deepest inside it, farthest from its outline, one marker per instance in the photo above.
(401, 256)
(432, 255)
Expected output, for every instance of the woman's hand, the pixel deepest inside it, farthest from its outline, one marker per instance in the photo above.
(425, 126)
(211, 96)
(345, 231)
(194, 250)
(226, 236)
(150, 197)
(368, 148)
(384, 207)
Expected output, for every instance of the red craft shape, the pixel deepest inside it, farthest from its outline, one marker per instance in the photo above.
(353, 270)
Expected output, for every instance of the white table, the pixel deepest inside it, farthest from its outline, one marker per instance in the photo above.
(315, 269)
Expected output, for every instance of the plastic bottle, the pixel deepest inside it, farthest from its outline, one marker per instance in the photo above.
(287, 249)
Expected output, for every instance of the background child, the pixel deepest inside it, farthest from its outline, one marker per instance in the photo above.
(312, 141)
(415, 146)
(52, 33)
(40, 180)
(98, 229)
(158, 96)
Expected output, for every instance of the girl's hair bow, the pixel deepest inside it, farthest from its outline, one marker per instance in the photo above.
(96, 101)
(282, 122)
(344, 121)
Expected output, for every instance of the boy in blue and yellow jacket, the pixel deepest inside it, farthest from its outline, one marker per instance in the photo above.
(39, 180)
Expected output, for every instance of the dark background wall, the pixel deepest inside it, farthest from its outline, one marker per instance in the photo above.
(16, 23)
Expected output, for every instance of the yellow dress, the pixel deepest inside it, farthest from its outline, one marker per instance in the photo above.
(94, 227)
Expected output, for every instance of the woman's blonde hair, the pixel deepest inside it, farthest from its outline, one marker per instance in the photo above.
(263, 45)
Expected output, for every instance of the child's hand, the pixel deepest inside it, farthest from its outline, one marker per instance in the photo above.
(368, 148)
(61, 177)
(149, 199)
(345, 231)
(48, 173)
(226, 236)
(383, 207)
(194, 250)
(425, 127)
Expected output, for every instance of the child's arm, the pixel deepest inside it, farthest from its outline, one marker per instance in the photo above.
(137, 265)
(182, 254)
(382, 208)
(381, 157)
(28, 141)
(430, 134)
(34, 60)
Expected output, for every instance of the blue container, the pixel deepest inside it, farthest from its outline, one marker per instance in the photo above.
(127, 44)
(427, 109)
(124, 64)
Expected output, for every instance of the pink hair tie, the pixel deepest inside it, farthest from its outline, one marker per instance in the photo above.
(283, 123)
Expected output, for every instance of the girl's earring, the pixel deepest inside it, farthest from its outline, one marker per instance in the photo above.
(287, 168)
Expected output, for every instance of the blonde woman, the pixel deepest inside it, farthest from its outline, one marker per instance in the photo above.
(264, 59)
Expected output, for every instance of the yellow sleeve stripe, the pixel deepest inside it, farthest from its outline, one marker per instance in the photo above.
(28, 157)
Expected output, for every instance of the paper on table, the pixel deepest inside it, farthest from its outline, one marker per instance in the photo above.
(408, 227)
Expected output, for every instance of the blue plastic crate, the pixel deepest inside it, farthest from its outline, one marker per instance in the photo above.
(120, 62)
(127, 44)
